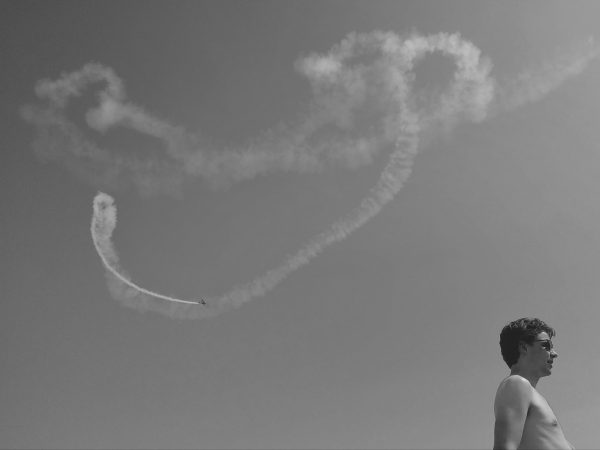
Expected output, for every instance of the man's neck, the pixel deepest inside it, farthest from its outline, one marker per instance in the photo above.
(531, 377)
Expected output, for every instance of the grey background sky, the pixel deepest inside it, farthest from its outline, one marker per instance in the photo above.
(389, 339)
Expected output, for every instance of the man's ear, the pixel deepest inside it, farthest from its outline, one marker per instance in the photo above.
(522, 348)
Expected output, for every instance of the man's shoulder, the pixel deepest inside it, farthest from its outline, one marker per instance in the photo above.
(515, 382)
(513, 387)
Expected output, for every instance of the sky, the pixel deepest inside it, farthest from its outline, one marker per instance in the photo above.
(362, 194)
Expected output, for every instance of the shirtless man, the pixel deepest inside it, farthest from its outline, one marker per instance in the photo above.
(524, 420)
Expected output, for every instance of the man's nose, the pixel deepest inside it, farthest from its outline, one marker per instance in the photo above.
(553, 354)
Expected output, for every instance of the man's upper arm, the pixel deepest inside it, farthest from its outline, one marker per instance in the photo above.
(511, 406)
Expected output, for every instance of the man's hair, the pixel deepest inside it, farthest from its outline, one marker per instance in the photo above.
(521, 330)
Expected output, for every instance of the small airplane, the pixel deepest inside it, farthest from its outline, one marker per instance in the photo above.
(201, 302)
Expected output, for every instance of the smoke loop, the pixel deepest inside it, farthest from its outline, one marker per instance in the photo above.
(363, 101)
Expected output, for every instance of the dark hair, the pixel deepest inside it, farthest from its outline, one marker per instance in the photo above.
(521, 330)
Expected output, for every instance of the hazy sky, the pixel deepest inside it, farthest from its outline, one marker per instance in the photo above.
(243, 144)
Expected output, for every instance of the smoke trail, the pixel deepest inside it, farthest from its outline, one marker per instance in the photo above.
(533, 85)
(363, 101)
(104, 221)
(340, 89)
(353, 115)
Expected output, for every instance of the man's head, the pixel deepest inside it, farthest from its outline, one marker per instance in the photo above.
(528, 340)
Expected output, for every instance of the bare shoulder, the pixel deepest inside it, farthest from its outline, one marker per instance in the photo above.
(513, 389)
(515, 382)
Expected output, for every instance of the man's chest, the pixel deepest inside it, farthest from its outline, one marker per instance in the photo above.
(541, 412)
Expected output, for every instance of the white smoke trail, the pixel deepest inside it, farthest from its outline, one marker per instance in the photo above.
(122, 288)
(332, 132)
(363, 101)
(402, 125)
(104, 221)
(533, 85)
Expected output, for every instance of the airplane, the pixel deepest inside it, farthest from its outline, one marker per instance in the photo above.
(202, 302)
